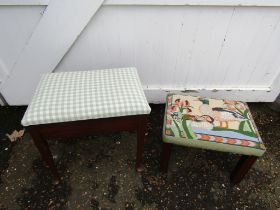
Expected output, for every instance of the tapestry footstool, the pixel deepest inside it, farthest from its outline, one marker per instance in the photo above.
(221, 125)
(68, 104)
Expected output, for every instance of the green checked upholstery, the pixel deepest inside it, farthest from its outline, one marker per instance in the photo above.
(83, 95)
(221, 125)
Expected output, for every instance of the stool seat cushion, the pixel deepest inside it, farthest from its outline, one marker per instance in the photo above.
(221, 125)
(82, 95)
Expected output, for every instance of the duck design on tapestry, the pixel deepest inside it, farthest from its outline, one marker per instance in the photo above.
(222, 115)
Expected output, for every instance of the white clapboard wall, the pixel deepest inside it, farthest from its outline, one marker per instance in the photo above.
(217, 48)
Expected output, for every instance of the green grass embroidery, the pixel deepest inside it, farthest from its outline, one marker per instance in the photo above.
(188, 130)
(178, 128)
(241, 125)
(253, 130)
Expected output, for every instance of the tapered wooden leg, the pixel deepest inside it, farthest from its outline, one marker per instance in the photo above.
(242, 167)
(165, 156)
(140, 144)
(45, 152)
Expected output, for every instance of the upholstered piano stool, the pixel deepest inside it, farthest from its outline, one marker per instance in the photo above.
(68, 104)
(221, 125)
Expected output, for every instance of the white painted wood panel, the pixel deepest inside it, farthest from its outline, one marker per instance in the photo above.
(186, 48)
(16, 26)
(58, 29)
(221, 49)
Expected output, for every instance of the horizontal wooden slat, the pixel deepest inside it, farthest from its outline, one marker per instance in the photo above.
(196, 2)
(159, 95)
(213, 89)
(23, 2)
(161, 2)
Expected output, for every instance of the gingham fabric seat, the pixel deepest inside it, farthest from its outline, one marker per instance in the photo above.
(72, 96)
(221, 125)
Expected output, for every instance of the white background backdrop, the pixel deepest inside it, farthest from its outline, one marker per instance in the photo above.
(220, 51)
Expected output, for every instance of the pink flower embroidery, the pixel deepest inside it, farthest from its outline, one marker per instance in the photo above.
(174, 108)
(169, 108)
(182, 103)
(229, 101)
(187, 110)
(231, 107)
(241, 107)
(177, 101)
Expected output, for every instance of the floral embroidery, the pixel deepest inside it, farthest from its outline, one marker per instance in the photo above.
(220, 121)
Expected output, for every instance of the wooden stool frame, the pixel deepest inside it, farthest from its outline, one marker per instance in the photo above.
(241, 169)
(42, 132)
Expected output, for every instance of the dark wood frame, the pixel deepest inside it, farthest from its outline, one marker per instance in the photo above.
(241, 169)
(42, 132)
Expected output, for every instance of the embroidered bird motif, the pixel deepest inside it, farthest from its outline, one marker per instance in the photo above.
(220, 114)
(204, 121)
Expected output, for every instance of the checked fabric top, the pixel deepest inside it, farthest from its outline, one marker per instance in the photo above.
(82, 95)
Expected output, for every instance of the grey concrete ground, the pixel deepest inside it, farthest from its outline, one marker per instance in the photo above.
(98, 171)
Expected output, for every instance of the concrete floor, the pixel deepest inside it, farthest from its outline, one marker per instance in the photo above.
(98, 171)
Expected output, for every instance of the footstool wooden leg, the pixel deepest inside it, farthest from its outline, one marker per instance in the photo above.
(165, 156)
(242, 167)
(45, 152)
(140, 144)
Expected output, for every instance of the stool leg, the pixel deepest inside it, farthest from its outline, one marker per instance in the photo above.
(242, 167)
(140, 143)
(165, 156)
(45, 152)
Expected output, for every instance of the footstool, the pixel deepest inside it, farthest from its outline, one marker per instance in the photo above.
(69, 104)
(221, 125)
